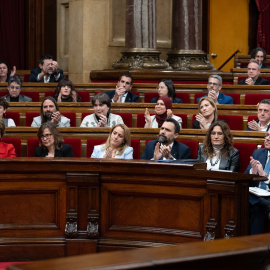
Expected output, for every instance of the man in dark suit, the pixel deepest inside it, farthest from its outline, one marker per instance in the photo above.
(254, 71)
(259, 206)
(122, 91)
(166, 147)
(48, 71)
(214, 86)
(263, 122)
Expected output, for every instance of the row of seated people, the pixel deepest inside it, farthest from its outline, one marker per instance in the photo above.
(66, 92)
(102, 117)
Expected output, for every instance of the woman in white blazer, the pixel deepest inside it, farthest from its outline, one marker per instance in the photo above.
(116, 146)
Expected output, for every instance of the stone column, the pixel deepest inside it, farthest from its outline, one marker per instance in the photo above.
(140, 37)
(186, 51)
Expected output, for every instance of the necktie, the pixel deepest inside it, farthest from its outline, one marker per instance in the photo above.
(266, 169)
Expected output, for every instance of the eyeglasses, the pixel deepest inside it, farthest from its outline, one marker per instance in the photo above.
(46, 136)
(219, 134)
(215, 84)
(15, 87)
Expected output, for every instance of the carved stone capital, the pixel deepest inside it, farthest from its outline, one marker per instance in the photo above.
(189, 60)
(137, 58)
(71, 228)
(92, 227)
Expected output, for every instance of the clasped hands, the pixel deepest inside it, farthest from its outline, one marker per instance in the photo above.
(119, 91)
(162, 150)
(110, 153)
(102, 121)
(200, 118)
(256, 167)
(56, 117)
(253, 125)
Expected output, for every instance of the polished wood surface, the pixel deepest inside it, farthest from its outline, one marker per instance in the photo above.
(249, 252)
(53, 207)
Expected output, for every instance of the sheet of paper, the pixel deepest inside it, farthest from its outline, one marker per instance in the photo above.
(259, 191)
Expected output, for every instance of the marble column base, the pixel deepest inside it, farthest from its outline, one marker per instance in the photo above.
(189, 60)
(137, 58)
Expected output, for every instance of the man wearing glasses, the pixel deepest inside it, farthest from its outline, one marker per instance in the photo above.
(122, 92)
(214, 86)
(263, 122)
(259, 210)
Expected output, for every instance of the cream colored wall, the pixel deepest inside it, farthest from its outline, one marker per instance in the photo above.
(95, 32)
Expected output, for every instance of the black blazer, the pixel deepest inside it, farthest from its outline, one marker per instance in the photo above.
(66, 151)
(129, 98)
(259, 81)
(36, 71)
(230, 163)
(196, 124)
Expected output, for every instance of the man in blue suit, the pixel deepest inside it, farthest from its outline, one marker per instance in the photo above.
(166, 147)
(259, 206)
(122, 91)
(214, 86)
(47, 72)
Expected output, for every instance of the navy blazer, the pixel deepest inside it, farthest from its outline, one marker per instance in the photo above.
(176, 100)
(248, 129)
(179, 150)
(222, 99)
(129, 98)
(259, 81)
(65, 151)
(36, 71)
(230, 163)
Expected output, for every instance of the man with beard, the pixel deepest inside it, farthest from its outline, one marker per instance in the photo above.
(259, 207)
(49, 111)
(166, 147)
(47, 72)
(214, 86)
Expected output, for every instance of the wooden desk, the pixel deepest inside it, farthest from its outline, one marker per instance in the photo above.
(61, 207)
(249, 253)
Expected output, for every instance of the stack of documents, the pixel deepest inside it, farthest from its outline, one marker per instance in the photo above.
(259, 191)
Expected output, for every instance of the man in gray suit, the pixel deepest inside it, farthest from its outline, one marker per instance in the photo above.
(14, 89)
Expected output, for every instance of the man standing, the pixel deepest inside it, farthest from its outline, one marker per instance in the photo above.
(122, 92)
(214, 86)
(259, 206)
(166, 147)
(48, 71)
(254, 71)
(49, 111)
(263, 123)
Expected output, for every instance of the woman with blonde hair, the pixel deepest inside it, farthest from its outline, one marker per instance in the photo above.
(117, 144)
(207, 114)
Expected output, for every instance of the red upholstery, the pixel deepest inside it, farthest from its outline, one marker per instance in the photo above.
(71, 116)
(15, 116)
(184, 96)
(198, 95)
(127, 118)
(76, 146)
(90, 143)
(135, 144)
(254, 99)
(17, 143)
(26, 77)
(33, 95)
(246, 150)
(193, 145)
(235, 122)
(32, 144)
(141, 120)
(252, 117)
(85, 97)
(29, 118)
